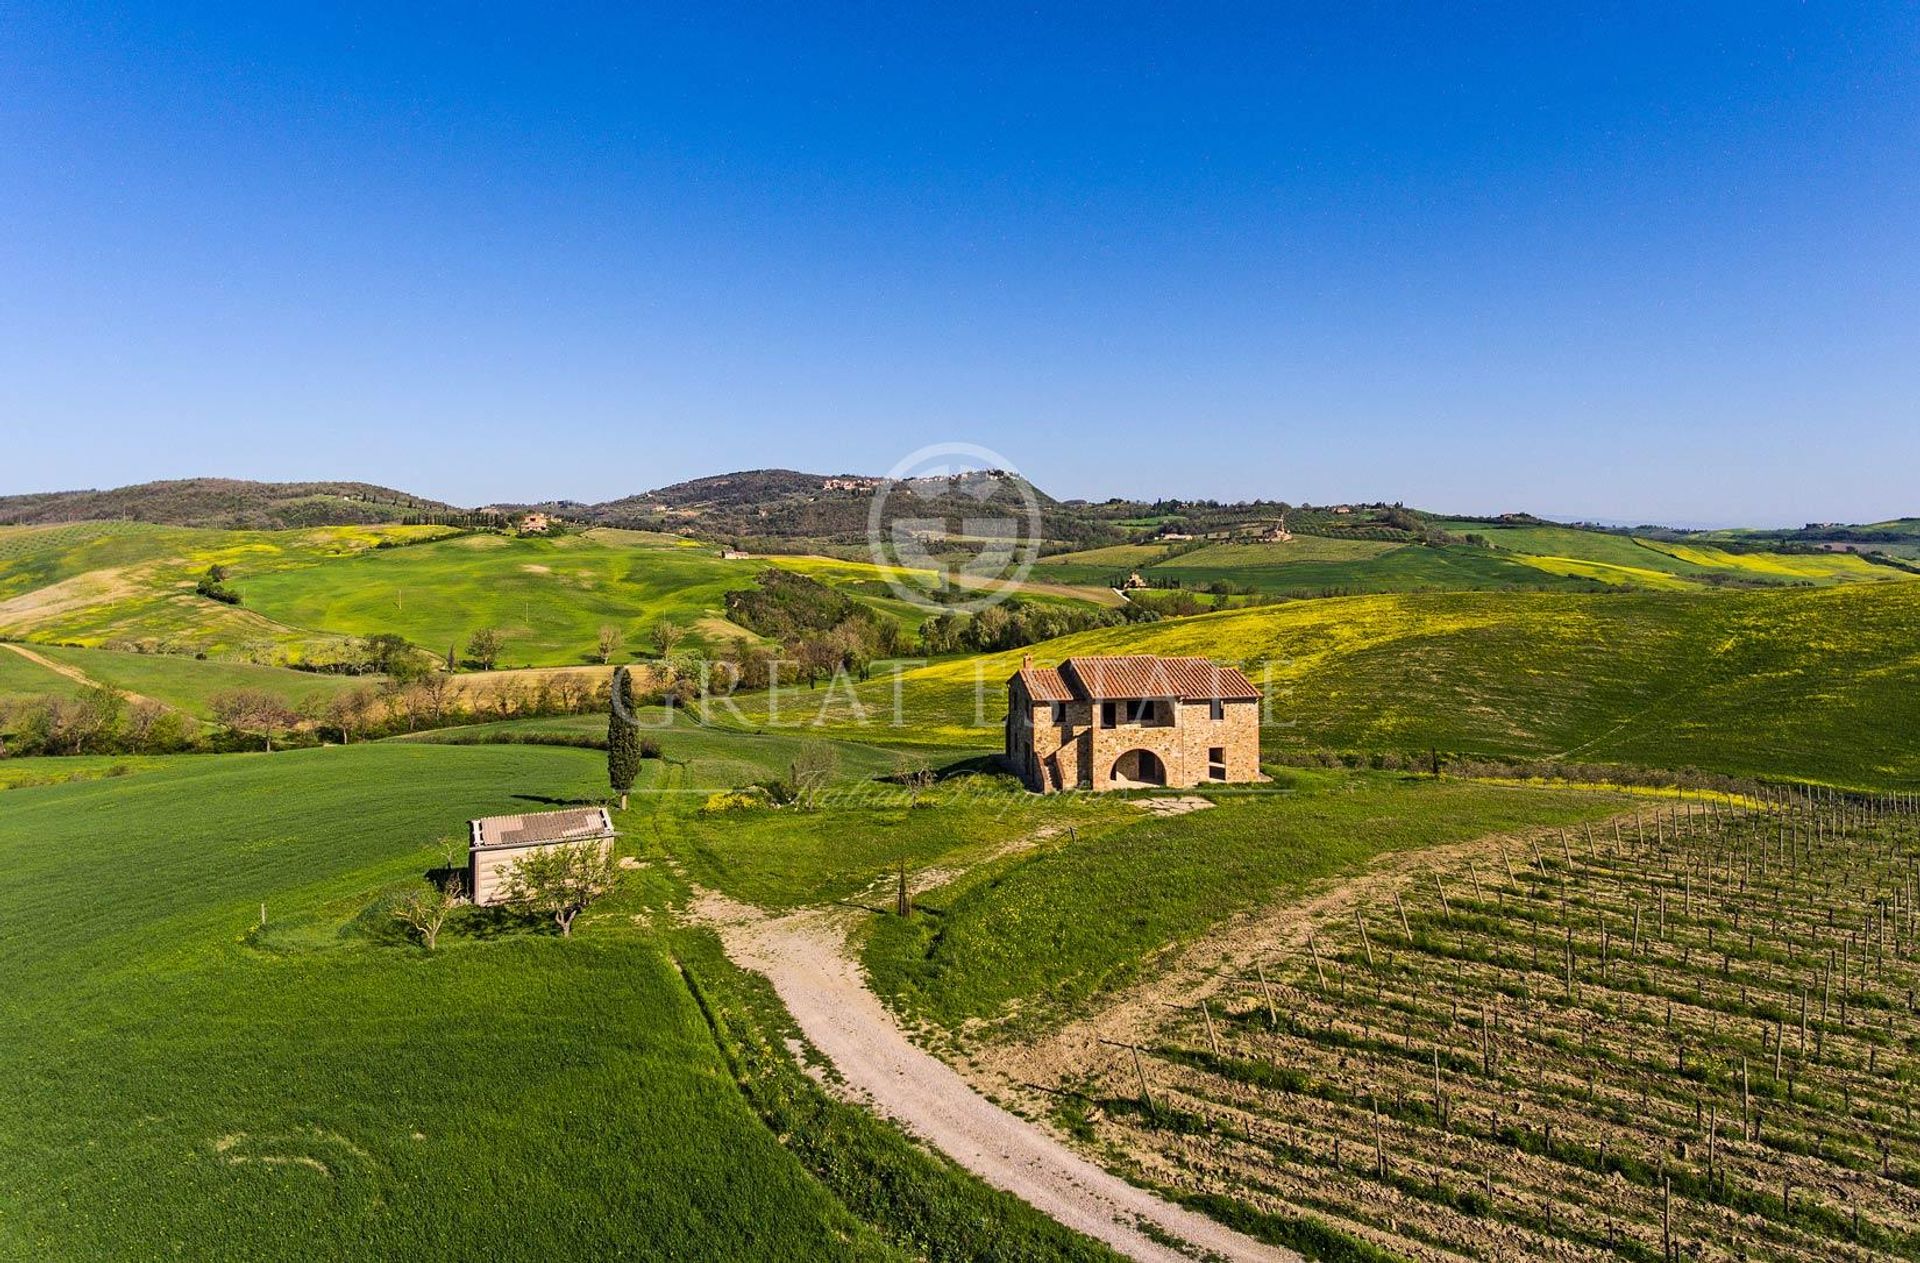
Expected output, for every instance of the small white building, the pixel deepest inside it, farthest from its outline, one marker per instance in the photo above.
(495, 842)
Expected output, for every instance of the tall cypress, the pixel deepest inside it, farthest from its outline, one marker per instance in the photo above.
(623, 738)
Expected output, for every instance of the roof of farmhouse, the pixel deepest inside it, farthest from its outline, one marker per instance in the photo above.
(1136, 676)
(573, 824)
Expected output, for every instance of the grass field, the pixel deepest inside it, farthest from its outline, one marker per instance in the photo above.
(95, 583)
(1523, 557)
(1038, 939)
(1808, 683)
(1632, 561)
(188, 684)
(186, 1081)
(20, 677)
(98, 584)
(1338, 567)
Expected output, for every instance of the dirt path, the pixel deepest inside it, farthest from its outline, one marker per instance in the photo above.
(70, 672)
(805, 956)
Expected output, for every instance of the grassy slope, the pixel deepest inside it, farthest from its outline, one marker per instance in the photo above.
(1631, 561)
(1042, 936)
(183, 1082)
(1261, 556)
(96, 582)
(190, 684)
(1809, 683)
(21, 678)
(1525, 557)
(1394, 568)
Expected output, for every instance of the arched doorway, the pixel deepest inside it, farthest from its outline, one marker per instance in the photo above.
(1140, 767)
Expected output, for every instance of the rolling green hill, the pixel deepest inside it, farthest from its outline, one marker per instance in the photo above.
(304, 592)
(1813, 683)
(185, 1079)
(1541, 557)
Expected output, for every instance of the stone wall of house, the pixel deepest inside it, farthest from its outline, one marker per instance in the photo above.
(1085, 753)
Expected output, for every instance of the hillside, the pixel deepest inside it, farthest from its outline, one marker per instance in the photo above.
(770, 508)
(224, 502)
(1812, 683)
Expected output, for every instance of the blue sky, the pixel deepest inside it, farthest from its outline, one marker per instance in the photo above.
(1645, 263)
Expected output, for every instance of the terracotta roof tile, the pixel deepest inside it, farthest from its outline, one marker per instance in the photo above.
(1045, 684)
(1137, 676)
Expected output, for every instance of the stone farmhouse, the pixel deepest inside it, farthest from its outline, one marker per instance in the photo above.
(495, 842)
(1131, 721)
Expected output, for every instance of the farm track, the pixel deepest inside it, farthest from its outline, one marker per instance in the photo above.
(805, 956)
(70, 672)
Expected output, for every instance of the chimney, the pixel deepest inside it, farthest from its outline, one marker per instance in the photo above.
(1026, 662)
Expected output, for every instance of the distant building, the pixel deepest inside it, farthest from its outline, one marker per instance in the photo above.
(1131, 721)
(734, 554)
(1342, 510)
(849, 484)
(495, 842)
(1134, 582)
(535, 524)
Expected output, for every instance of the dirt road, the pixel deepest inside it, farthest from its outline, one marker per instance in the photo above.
(805, 956)
(72, 673)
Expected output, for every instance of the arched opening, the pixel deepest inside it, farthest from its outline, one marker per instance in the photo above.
(1139, 767)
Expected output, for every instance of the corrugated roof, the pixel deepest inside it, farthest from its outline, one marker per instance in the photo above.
(1137, 676)
(1045, 684)
(573, 824)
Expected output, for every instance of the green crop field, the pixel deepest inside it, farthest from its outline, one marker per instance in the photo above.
(20, 677)
(187, 684)
(1809, 683)
(186, 1081)
(1522, 557)
(1638, 562)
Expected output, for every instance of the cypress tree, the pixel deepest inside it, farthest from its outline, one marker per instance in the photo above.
(623, 738)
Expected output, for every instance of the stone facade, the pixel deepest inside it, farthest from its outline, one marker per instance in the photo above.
(1191, 724)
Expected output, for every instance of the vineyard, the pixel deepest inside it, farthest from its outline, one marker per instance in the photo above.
(1688, 1033)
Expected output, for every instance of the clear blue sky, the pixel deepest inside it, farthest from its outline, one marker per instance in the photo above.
(1658, 262)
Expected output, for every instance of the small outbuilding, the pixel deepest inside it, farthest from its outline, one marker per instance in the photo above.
(495, 842)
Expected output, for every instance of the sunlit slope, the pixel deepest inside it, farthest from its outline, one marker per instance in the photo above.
(315, 1088)
(123, 584)
(97, 583)
(1817, 683)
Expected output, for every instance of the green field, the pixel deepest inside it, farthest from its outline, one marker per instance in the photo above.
(1803, 684)
(1344, 567)
(21, 678)
(1522, 557)
(1632, 561)
(187, 684)
(184, 1081)
(1037, 939)
(305, 592)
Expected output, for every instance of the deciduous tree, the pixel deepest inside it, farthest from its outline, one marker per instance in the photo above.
(561, 881)
(253, 711)
(483, 648)
(426, 909)
(813, 766)
(609, 643)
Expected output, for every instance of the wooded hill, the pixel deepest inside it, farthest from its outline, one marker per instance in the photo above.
(224, 502)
